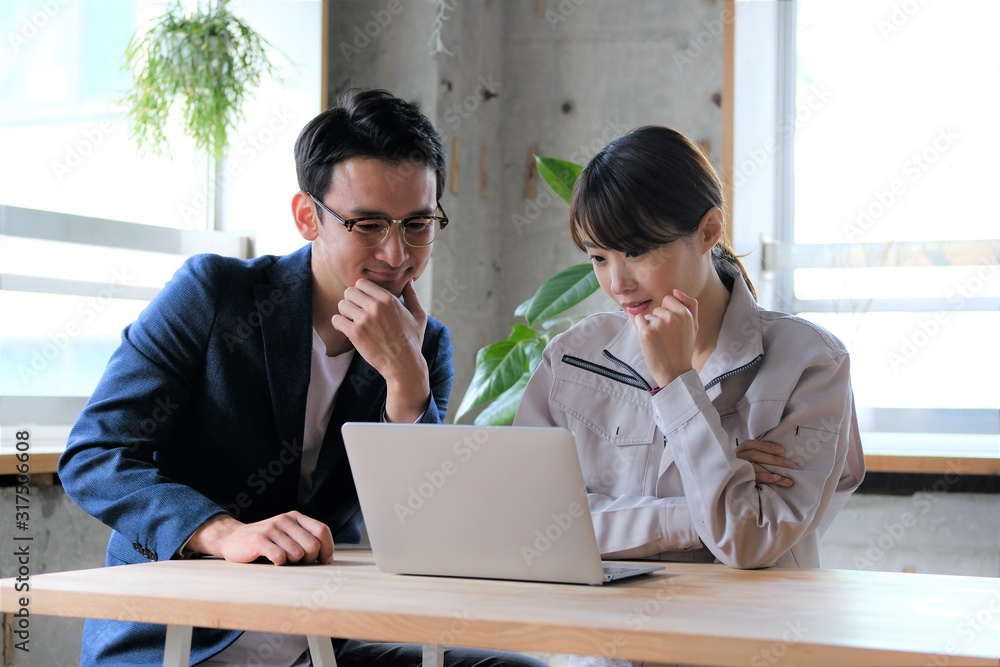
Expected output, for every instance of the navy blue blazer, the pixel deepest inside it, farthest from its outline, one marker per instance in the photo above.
(201, 410)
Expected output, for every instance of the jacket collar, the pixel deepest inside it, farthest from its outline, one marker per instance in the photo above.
(284, 304)
(287, 334)
(740, 340)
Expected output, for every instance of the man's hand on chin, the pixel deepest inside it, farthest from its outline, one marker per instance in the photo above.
(388, 331)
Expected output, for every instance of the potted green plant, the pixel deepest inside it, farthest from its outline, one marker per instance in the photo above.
(208, 62)
(503, 368)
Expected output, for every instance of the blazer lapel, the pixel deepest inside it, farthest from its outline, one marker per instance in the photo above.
(284, 306)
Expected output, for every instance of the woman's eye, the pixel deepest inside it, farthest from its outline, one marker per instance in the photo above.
(596, 259)
(634, 253)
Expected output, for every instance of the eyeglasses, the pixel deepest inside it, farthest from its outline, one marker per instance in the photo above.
(419, 231)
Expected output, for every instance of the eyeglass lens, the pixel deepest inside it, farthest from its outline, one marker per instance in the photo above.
(417, 232)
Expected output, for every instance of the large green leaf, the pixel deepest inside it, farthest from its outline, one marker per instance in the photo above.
(521, 332)
(533, 351)
(498, 367)
(502, 410)
(560, 323)
(559, 174)
(563, 290)
(503, 368)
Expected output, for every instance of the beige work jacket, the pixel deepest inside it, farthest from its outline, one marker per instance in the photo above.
(661, 473)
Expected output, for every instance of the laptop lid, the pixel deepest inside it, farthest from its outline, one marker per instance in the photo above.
(502, 502)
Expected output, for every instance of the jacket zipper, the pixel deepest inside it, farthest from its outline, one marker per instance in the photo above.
(610, 373)
(631, 371)
(632, 377)
(733, 372)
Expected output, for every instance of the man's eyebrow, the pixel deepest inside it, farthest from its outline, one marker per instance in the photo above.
(376, 213)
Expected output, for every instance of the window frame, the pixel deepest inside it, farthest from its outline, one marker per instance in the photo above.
(49, 418)
(288, 101)
(759, 133)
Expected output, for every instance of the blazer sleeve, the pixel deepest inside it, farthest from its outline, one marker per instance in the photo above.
(110, 466)
(441, 371)
(744, 524)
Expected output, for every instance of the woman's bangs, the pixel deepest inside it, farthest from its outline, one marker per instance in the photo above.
(599, 221)
(615, 224)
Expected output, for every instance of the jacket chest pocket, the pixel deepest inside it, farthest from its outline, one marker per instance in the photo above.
(609, 412)
(750, 420)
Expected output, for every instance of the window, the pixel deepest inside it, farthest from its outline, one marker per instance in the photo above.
(59, 114)
(892, 243)
(91, 229)
(60, 85)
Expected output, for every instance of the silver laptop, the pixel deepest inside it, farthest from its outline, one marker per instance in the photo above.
(503, 502)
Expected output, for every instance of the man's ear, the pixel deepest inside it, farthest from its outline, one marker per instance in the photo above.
(710, 228)
(305, 215)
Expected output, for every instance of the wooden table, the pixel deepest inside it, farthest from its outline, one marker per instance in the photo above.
(928, 457)
(691, 613)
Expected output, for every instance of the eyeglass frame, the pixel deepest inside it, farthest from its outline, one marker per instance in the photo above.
(442, 221)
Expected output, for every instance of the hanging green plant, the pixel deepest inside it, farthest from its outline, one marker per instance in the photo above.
(208, 61)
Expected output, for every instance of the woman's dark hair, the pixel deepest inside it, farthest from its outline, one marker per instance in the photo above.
(368, 124)
(645, 189)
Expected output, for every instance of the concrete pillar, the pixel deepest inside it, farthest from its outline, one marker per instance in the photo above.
(560, 77)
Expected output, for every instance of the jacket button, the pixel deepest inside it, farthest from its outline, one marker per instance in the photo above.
(152, 555)
(137, 547)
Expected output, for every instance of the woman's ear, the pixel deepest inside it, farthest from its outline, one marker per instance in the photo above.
(710, 229)
(305, 215)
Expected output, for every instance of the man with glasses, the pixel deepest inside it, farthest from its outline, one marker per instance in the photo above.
(216, 427)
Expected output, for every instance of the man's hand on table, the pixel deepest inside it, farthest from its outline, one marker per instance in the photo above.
(291, 537)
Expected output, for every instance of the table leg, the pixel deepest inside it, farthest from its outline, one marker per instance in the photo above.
(433, 655)
(321, 651)
(177, 649)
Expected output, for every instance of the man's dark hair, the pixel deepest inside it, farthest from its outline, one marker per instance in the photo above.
(369, 124)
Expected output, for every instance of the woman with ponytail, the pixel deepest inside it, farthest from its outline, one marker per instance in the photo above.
(709, 429)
